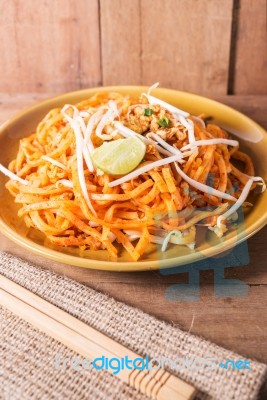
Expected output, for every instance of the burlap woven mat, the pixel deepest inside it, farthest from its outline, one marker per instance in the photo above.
(27, 356)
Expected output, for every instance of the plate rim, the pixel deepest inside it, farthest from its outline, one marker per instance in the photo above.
(125, 266)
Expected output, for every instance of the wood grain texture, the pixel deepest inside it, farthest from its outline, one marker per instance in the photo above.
(121, 42)
(63, 45)
(186, 44)
(182, 44)
(49, 45)
(250, 72)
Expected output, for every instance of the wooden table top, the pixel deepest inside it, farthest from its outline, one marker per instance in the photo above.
(238, 323)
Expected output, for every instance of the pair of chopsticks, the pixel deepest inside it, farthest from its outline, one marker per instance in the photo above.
(88, 342)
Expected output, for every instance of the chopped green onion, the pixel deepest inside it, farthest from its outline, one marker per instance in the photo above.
(163, 122)
(148, 112)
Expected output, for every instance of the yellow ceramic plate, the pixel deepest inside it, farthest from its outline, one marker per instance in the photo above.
(207, 244)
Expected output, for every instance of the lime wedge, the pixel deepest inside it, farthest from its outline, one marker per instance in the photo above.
(120, 156)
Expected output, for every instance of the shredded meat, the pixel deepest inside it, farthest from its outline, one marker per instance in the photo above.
(141, 123)
(137, 121)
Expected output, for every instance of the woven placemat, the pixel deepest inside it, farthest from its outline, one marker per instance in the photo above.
(28, 356)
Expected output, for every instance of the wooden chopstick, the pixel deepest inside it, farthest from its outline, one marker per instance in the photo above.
(157, 384)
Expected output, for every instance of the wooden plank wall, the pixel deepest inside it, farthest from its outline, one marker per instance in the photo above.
(172, 43)
(49, 45)
(211, 47)
(250, 73)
